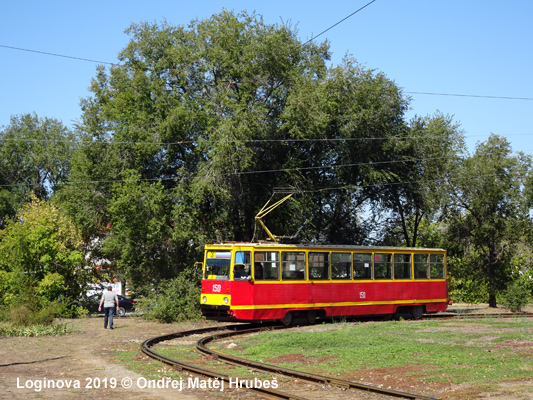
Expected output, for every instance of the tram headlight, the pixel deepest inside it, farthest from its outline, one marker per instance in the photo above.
(226, 300)
(204, 299)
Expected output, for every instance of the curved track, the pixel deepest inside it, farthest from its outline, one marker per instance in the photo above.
(147, 344)
(234, 330)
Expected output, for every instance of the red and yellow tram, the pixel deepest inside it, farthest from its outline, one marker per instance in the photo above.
(273, 281)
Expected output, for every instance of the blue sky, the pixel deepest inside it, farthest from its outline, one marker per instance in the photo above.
(467, 47)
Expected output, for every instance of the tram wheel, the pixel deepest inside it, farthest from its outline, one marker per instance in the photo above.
(386, 317)
(417, 312)
(311, 316)
(287, 319)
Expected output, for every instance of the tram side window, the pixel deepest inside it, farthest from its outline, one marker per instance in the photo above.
(319, 266)
(382, 266)
(266, 265)
(362, 265)
(341, 265)
(436, 266)
(243, 265)
(402, 266)
(217, 265)
(293, 265)
(421, 266)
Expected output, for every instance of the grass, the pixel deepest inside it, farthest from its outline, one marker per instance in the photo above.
(9, 330)
(187, 354)
(481, 352)
(152, 369)
(148, 367)
(462, 359)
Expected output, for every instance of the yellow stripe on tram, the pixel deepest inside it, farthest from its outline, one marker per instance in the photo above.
(344, 304)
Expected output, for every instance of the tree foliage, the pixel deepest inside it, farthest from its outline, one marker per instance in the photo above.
(183, 141)
(417, 194)
(40, 257)
(140, 233)
(490, 212)
(175, 300)
(34, 156)
(219, 113)
(516, 297)
(198, 124)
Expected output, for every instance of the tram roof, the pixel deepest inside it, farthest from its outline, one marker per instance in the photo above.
(319, 246)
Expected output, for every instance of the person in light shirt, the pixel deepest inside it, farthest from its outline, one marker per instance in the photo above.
(109, 301)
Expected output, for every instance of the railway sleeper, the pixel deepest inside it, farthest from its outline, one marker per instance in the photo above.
(339, 384)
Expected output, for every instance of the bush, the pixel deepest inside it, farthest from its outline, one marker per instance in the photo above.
(71, 309)
(467, 291)
(26, 316)
(35, 330)
(466, 284)
(39, 306)
(515, 297)
(177, 300)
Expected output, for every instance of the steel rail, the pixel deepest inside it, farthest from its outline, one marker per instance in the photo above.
(201, 346)
(237, 329)
(493, 315)
(248, 329)
(466, 316)
(181, 366)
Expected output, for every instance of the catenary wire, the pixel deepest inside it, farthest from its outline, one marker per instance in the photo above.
(109, 63)
(341, 21)
(291, 140)
(473, 95)
(310, 40)
(354, 187)
(56, 55)
(280, 140)
(249, 172)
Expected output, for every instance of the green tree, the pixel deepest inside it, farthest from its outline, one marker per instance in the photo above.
(341, 126)
(490, 213)
(417, 196)
(140, 233)
(43, 248)
(34, 156)
(189, 107)
(221, 112)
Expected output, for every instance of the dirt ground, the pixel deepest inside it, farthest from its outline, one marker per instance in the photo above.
(78, 362)
(79, 359)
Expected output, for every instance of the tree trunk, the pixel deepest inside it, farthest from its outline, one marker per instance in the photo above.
(492, 277)
(492, 300)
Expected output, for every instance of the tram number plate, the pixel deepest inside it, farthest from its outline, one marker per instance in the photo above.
(362, 295)
(217, 288)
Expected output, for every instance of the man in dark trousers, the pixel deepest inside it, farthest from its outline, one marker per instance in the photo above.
(109, 300)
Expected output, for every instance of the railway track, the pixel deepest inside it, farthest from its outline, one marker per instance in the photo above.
(227, 331)
(463, 316)
(235, 330)
(146, 348)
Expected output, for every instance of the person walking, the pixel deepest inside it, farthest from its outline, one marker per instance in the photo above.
(109, 300)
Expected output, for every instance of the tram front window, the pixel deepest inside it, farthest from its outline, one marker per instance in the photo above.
(217, 265)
